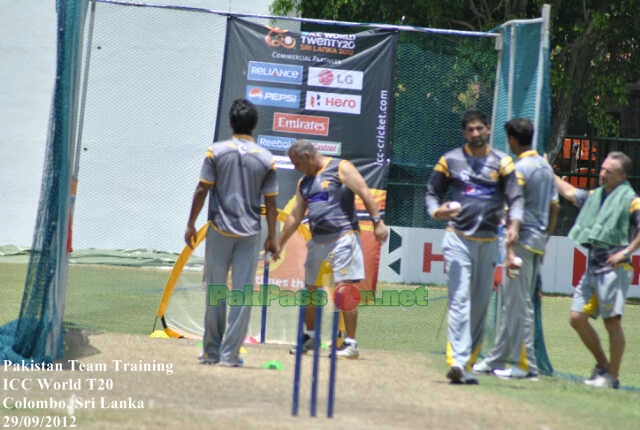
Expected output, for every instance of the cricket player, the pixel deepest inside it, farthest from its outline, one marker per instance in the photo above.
(482, 180)
(326, 196)
(608, 225)
(514, 342)
(236, 175)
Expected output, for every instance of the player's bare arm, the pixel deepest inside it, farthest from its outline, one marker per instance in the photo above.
(199, 197)
(291, 223)
(554, 210)
(271, 243)
(513, 232)
(624, 254)
(356, 183)
(565, 189)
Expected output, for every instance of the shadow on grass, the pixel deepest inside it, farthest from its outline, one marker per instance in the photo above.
(76, 344)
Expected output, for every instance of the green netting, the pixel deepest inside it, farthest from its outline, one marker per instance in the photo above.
(523, 88)
(37, 333)
(438, 77)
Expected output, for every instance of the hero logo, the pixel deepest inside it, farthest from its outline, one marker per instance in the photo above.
(335, 78)
(268, 96)
(333, 102)
(301, 124)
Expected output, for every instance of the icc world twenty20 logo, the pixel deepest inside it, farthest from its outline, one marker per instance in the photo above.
(277, 38)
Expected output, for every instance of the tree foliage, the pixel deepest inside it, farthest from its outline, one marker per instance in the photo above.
(595, 45)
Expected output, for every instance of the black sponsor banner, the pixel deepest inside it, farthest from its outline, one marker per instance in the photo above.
(333, 89)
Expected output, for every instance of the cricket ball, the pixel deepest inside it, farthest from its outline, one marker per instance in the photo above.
(346, 297)
(454, 205)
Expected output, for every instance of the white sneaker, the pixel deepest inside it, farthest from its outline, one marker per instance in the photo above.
(349, 350)
(597, 371)
(515, 373)
(481, 367)
(604, 380)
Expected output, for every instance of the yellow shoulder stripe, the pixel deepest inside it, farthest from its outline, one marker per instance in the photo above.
(506, 166)
(442, 167)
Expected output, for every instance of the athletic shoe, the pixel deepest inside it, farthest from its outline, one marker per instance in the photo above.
(349, 350)
(456, 375)
(515, 373)
(597, 371)
(307, 345)
(482, 367)
(604, 380)
(205, 359)
(238, 363)
(470, 378)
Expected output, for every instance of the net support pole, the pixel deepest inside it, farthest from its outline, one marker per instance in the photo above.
(78, 132)
(543, 49)
(499, 45)
(85, 82)
(512, 71)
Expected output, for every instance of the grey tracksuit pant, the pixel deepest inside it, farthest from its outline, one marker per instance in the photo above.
(470, 268)
(221, 341)
(515, 334)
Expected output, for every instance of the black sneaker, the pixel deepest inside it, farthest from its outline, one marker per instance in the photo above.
(307, 345)
(456, 375)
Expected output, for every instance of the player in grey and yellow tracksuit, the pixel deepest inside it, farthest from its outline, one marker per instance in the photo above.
(237, 175)
(482, 180)
(514, 342)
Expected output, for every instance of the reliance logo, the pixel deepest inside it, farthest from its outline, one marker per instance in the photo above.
(333, 102)
(269, 96)
(274, 72)
(335, 78)
(301, 124)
